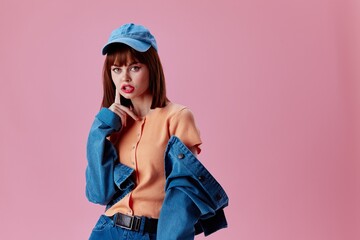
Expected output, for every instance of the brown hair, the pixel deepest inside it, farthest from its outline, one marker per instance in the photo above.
(121, 54)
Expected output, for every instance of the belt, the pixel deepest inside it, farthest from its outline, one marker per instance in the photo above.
(133, 223)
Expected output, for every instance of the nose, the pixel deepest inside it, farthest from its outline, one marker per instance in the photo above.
(125, 77)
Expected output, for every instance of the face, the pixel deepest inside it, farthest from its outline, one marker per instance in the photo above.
(131, 80)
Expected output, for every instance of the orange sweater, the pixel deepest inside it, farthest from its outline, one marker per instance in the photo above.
(141, 145)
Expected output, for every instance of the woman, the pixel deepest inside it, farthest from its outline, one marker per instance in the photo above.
(129, 137)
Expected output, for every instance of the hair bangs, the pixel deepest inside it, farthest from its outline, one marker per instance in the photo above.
(121, 58)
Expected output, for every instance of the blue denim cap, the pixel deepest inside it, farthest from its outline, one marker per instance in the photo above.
(136, 36)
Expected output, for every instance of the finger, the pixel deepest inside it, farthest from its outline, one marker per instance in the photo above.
(117, 96)
(122, 116)
(125, 120)
(129, 112)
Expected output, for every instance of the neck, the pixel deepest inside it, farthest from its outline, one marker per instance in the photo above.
(142, 105)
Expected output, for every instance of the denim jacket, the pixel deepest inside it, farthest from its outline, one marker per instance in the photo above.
(194, 200)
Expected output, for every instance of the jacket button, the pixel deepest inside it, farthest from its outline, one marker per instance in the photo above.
(201, 178)
(181, 156)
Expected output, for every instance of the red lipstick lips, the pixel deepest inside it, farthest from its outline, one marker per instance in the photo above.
(127, 88)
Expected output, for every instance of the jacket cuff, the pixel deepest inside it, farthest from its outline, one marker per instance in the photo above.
(211, 224)
(109, 118)
(122, 176)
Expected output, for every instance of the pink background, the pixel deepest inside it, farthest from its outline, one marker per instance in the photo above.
(274, 87)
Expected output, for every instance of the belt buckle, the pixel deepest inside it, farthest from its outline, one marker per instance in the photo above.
(136, 227)
(131, 225)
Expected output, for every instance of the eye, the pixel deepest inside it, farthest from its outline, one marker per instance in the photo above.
(115, 69)
(135, 68)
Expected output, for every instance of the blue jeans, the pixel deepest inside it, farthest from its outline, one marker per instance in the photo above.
(105, 229)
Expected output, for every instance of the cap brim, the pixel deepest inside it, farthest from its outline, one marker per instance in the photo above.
(135, 44)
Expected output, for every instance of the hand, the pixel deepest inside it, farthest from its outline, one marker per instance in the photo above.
(121, 110)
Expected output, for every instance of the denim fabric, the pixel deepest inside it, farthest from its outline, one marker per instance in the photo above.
(194, 200)
(105, 229)
(107, 180)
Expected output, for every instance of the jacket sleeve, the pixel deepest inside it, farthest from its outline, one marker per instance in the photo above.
(194, 200)
(105, 175)
(182, 216)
